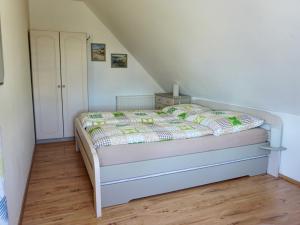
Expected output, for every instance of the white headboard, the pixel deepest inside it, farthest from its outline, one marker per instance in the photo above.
(134, 102)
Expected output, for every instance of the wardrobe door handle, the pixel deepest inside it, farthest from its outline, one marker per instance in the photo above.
(58, 86)
(64, 86)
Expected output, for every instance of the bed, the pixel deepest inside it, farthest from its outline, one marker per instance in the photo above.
(123, 172)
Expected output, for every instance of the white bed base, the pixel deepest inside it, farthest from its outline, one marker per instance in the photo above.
(121, 183)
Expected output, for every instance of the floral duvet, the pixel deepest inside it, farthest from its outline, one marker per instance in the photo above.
(138, 116)
(176, 122)
(134, 133)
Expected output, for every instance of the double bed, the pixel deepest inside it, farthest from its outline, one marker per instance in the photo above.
(128, 157)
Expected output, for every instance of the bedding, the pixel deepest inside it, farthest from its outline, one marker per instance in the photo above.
(177, 122)
(225, 122)
(183, 110)
(137, 116)
(134, 133)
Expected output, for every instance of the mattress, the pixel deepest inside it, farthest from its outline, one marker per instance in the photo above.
(120, 154)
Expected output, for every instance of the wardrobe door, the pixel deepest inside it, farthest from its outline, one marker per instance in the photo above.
(74, 78)
(45, 59)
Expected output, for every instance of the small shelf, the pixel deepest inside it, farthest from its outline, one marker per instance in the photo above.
(268, 147)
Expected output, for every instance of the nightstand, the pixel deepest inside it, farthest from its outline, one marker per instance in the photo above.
(166, 99)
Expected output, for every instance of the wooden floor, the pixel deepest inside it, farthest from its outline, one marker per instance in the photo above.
(60, 193)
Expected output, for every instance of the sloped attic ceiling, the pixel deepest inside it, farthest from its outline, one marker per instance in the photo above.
(237, 51)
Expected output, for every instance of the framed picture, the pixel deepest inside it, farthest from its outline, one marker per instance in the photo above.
(98, 52)
(118, 60)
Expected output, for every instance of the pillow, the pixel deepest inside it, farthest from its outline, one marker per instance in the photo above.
(184, 109)
(226, 122)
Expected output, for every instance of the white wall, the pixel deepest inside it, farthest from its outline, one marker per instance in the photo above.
(290, 159)
(16, 116)
(1, 61)
(104, 82)
(240, 51)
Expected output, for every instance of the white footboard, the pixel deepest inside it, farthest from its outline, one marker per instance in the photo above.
(90, 157)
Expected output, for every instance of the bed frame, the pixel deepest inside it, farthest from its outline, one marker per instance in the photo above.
(118, 184)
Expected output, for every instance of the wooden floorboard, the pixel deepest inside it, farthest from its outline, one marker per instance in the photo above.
(60, 193)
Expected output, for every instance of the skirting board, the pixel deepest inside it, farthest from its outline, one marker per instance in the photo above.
(26, 188)
(46, 141)
(290, 180)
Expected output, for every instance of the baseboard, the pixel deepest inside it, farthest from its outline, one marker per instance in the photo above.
(26, 189)
(46, 141)
(290, 180)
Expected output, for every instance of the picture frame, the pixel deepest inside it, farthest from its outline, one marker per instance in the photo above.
(98, 52)
(119, 60)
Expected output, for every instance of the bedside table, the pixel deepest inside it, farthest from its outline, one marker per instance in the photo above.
(167, 99)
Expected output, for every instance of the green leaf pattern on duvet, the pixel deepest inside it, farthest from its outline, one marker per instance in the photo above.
(93, 129)
(182, 116)
(185, 127)
(96, 115)
(148, 120)
(141, 114)
(129, 130)
(219, 112)
(171, 110)
(199, 119)
(234, 121)
(118, 114)
(160, 113)
(98, 123)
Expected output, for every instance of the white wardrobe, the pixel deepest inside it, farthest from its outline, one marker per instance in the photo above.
(59, 77)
